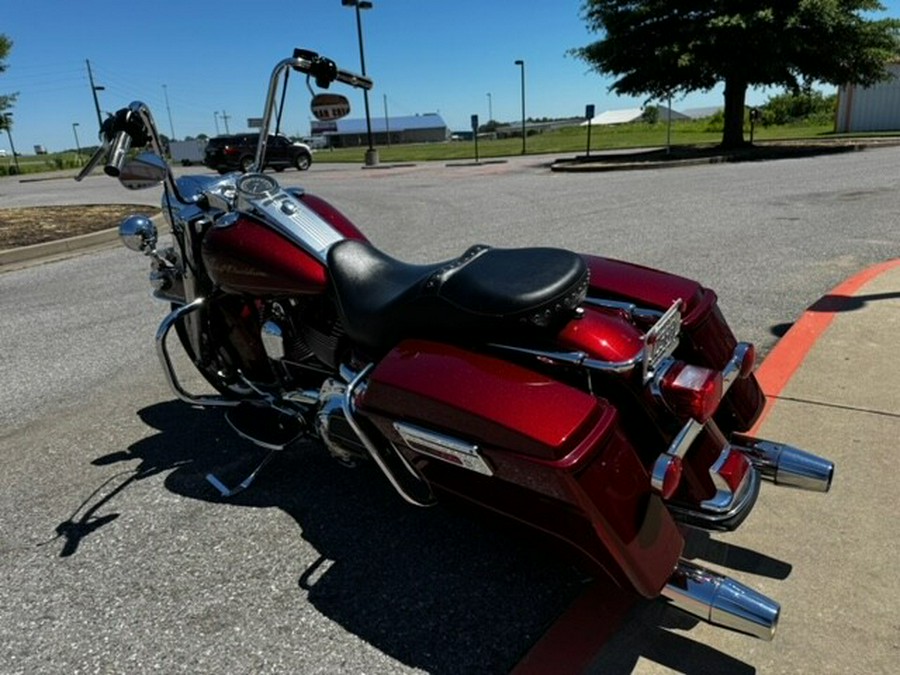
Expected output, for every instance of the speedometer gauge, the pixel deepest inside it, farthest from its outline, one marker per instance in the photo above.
(255, 185)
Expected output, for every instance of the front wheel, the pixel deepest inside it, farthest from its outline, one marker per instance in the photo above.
(226, 389)
(302, 162)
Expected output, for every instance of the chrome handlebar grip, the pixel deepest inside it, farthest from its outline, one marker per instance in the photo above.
(118, 152)
(354, 80)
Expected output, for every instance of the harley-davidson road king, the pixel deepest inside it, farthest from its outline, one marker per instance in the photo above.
(599, 402)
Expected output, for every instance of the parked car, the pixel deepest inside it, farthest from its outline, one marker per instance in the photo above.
(237, 151)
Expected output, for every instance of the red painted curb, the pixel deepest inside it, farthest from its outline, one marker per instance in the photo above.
(789, 353)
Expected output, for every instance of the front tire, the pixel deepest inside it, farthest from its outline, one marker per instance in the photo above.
(303, 161)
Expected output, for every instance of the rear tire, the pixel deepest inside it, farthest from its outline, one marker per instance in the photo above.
(246, 163)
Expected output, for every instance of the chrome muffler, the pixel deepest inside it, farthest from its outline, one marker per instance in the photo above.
(721, 601)
(786, 465)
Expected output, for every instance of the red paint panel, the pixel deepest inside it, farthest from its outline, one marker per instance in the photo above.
(502, 404)
(642, 285)
(250, 257)
(602, 335)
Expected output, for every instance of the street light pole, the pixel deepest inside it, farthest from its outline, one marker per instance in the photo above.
(12, 147)
(371, 153)
(490, 108)
(216, 118)
(77, 145)
(521, 64)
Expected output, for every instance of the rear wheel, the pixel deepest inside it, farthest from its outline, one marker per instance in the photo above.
(246, 163)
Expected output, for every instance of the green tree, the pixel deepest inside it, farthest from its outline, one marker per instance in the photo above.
(660, 48)
(6, 100)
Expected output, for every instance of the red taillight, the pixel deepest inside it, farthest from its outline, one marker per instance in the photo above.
(691, 391)
(229, 150)
(666, 475)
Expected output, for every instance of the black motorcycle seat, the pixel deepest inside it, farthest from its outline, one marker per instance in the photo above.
(484, 294)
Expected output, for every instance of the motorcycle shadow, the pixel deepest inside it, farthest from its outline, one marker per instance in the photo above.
(432, 588)
(445, 590)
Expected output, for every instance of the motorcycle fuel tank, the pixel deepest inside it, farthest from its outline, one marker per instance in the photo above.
(247, 255)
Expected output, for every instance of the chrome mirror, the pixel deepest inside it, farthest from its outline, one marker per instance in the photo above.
(329, 107)
(144, 171)
(138, 233)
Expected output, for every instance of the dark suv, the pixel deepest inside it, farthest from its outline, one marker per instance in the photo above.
(237, 151)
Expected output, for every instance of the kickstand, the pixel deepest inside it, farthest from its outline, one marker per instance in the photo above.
(244, 484)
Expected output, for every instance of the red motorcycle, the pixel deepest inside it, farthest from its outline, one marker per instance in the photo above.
(600, 402)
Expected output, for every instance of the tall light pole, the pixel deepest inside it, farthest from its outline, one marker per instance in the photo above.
(8, 124)
(521, 64)
(77, 145)
(216, 118)
(490, 108)
(371, 153)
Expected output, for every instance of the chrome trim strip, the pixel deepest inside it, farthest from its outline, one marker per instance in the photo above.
(725, 497)
(573, 359)
(743, 501)
(632, 310)
(683, 440)
(733, 368)
(439, 446)
(302, 225)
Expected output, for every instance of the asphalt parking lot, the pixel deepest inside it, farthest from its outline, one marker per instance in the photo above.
(119, 557)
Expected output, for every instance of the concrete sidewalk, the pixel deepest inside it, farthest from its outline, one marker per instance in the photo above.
(833, 384)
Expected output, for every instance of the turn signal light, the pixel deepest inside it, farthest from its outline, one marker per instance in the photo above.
(691, 391)
(666, 475)
(748, 361)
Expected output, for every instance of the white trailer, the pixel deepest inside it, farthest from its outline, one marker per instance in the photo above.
(187, 152)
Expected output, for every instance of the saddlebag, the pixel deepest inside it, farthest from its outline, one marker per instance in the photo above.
(527, 446)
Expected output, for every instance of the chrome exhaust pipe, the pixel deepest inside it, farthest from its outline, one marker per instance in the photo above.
(721, 601)
(786, 465)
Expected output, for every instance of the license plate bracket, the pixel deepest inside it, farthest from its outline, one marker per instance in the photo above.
(661, 340)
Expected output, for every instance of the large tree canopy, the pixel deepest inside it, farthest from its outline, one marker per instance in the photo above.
(660, 48)
(5, 100)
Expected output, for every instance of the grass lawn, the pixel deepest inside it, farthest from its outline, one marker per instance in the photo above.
(572, 140)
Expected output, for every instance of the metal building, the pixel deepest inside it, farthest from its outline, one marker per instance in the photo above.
(875, 108)
(350, 133)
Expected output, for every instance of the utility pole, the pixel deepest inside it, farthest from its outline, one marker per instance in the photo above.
(521, 64)
(216, 118)
(94, 90)
(387, 122)
(225, 118)
(169, 110)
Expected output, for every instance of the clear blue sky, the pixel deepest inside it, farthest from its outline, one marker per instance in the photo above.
(211, 57)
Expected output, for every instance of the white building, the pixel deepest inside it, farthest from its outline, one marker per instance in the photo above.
(875, 108)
